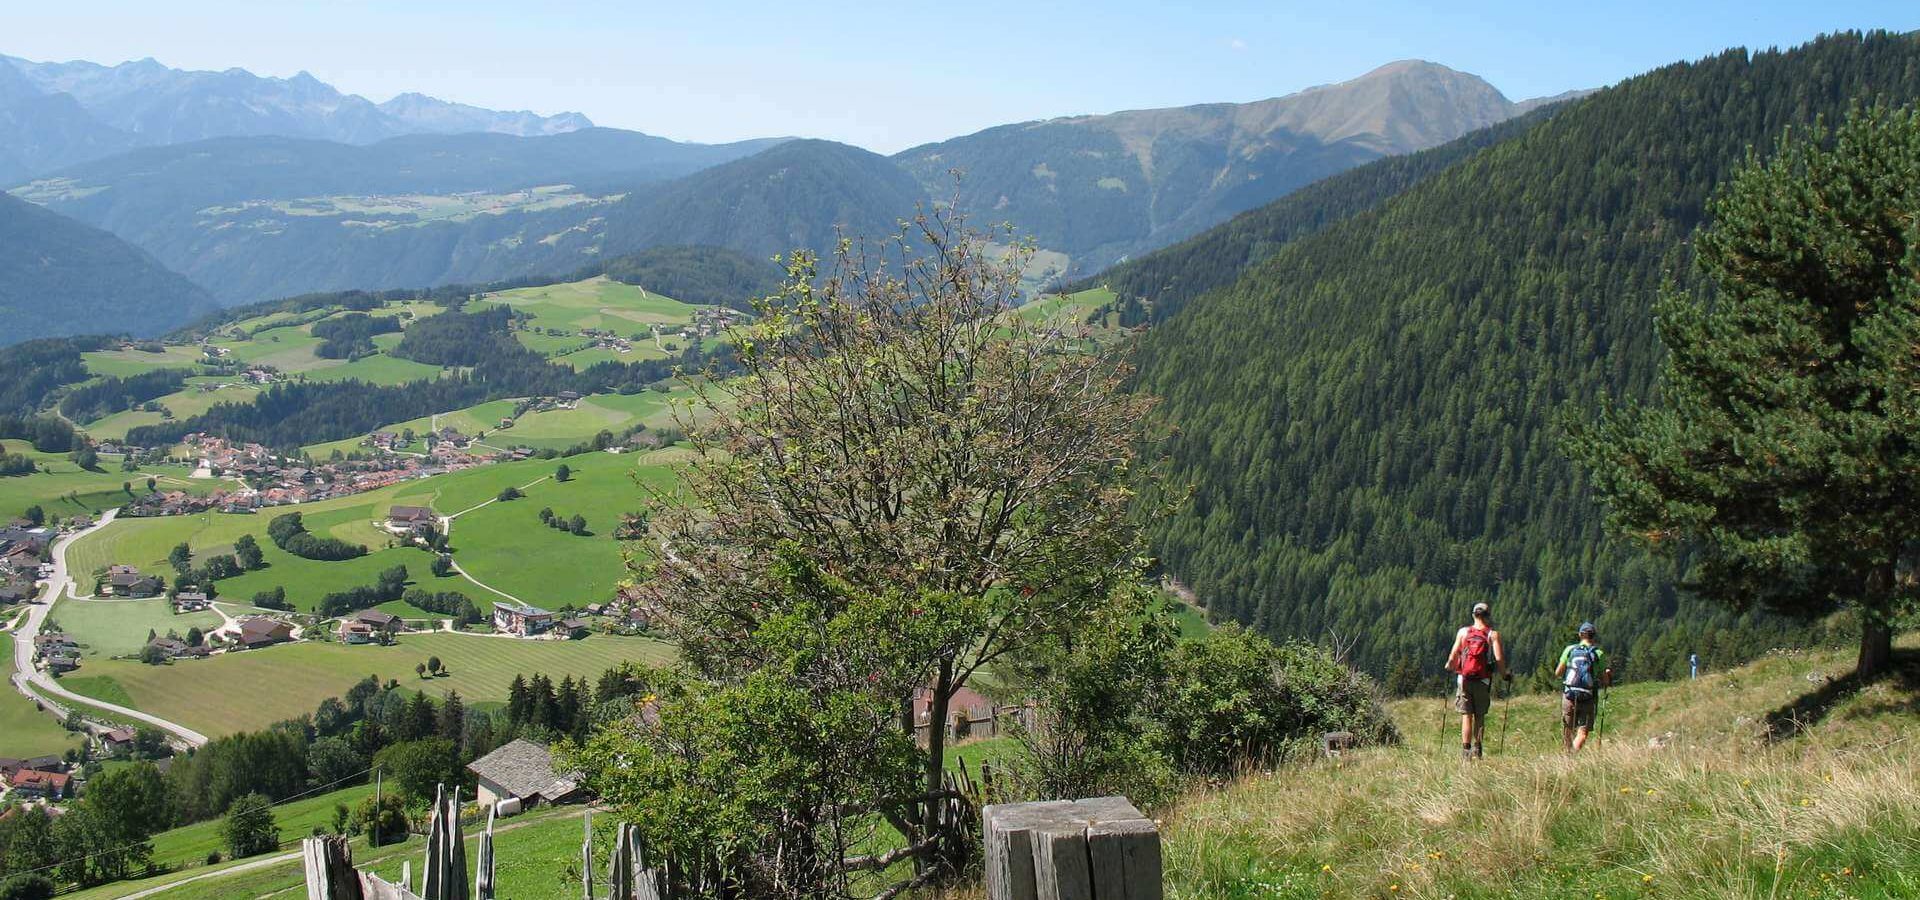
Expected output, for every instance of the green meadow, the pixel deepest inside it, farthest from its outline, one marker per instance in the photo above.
(555, 429)
(136, 362)
(187, 402)
(1066, 310)
(24, 729)
(595, 303)
(64, 489)
(505, 545)
(535, 852)
(145, 542)
(106, 628)
(232, 692)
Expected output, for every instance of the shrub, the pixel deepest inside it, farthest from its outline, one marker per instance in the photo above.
(249, 829)
(1234, 698)
(27, 887)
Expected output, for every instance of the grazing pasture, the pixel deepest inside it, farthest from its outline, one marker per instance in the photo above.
(106, 628)
(249, 690)
(25, 730)
(62, 489)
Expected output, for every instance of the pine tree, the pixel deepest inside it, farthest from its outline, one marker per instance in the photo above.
(519, 705)
(452, 724)
(1787, 451)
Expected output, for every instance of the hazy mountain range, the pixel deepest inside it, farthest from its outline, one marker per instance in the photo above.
(60, 113)
(257, 187)
(1100, 187)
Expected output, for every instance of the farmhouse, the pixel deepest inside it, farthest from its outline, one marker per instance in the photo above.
(126, 581)
(16, 589)
(117, 740)
(380, 621)
(175, 648)
(520, 619)
(352, 632)
(409, 518)
(190, 601)
(21, 559)
(261, 631)
(520, 773)
(46, 785)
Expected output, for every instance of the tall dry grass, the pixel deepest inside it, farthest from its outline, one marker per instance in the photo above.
(1686, 796)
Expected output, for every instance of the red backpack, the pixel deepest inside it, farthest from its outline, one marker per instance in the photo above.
(1476, 654)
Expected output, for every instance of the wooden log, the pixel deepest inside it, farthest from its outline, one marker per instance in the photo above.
(1125, 856)
(1100, 848)
(1062, 869)
(329, 869)
(1009, 854)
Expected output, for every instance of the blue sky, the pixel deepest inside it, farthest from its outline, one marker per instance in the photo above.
(888, 76)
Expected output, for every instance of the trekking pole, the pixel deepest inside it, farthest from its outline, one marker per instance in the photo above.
(1440, 737)
(1506, 706)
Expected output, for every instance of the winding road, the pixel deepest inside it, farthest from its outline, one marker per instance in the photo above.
(42, 687)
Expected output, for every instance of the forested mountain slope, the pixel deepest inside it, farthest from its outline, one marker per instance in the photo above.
(258, 218)
(1366, 416)
(60, 277)
(1159, 284)
(1100, 187)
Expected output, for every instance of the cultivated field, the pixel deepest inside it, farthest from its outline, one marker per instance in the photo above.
(24, 730)
(250, 690)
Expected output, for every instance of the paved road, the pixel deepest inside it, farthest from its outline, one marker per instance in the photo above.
(41, 686)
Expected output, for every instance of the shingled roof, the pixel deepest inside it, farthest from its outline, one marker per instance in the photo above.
(523, 769)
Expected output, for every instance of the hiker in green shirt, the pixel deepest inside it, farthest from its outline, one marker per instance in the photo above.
(1583, 672)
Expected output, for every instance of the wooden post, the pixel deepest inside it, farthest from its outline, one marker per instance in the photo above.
(373, 835)
(1095, 849)
(586, 857)
(329, 869)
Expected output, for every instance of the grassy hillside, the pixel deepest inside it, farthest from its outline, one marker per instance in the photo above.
(119, 627)
(1685, 797)
(63, 489)
(541, 844)
(506, 545)
(598, 302)
(24, 730)
(294, 678)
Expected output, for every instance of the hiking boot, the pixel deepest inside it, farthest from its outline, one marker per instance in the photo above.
(1478, 753)
(1466, 754)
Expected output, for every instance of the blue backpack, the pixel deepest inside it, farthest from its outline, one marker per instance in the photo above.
(1581, 679)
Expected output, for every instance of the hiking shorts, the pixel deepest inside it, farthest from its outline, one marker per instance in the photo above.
(1475, 696)
(1576, 710)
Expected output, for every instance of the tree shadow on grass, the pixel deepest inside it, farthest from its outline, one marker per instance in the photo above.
(1812, 708)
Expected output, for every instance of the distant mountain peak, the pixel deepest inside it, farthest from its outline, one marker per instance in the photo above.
(146, 103)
